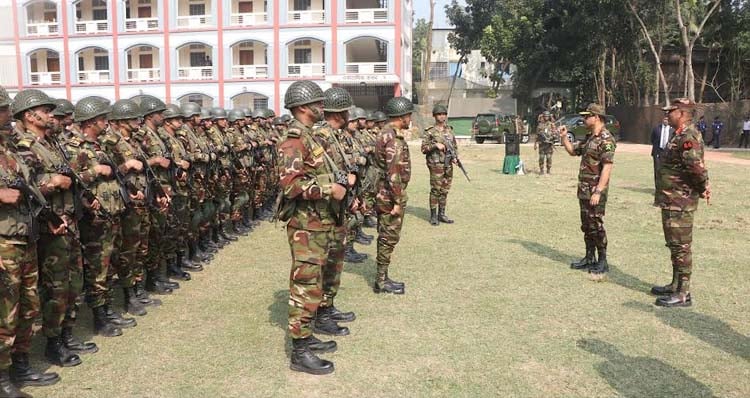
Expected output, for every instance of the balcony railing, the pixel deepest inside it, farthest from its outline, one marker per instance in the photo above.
(141, 24)
(249, 71)
(304, 17)
(45, 78)
(306, 70)
(366, 67)
(365, 15)
(195, 73)
(43, 29)
(144, 75)
(249, 19)
(194, 21)
(88, 27)
(93, 76)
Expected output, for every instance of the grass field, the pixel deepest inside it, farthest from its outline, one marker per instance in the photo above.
(741, 154)
(491, 306)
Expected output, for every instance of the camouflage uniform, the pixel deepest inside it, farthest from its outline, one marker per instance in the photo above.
(683, 177)
(393, 161)
(223, 188)
(545, 142)
(441, 175)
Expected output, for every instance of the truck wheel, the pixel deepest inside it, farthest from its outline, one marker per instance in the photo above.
(571, 138)
(480, 140)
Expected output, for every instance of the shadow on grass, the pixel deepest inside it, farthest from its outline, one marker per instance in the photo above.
(711, 330)
(278, 315)
(649, 191)
(366, 269)
(641, 376)
(419, 212)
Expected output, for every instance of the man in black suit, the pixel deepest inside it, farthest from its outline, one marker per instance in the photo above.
(660, 137)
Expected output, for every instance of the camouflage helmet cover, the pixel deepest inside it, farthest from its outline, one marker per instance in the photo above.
(63, 107)
(337, 99)
(150, 104)
(398, 106)
(29, 99)
(379, 116)
(268, 112)
(173, 111)
(302, 92)
(277, 121)
(190, 109)
(4, 98)
(218, 113)
(125, 109)
(438, 109)
(89, 108)
(235, 115)
(205, 114)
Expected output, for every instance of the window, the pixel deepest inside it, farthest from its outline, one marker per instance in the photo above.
(99, 3)
(81, 65)
(50, 6)
(302, 5)
(197, 9)
(302, 55)
(197, 98)
(438, 70)
(99, 14)
(197, 59)
(101, 63)
(260, 103)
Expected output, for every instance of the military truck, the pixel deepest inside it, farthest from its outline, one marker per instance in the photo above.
(492, 126)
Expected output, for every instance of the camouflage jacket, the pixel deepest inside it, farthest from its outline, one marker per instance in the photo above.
(595, 151)
(179, 154)
(392, 160)
(15, 220)
(545, 134)
(221, 145)
(153, 146)
(433, 136)
(120, 149)
(84, 155)
(306, 178)
(335, 150)
(682, 175)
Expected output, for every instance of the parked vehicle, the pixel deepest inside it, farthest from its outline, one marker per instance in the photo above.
(577, 131)
(491, 126)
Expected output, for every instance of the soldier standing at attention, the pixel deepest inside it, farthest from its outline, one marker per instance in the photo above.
(597, 153)
(434, 145)
(310, 193)
(545, 141)
(392, 160)
(683, 179)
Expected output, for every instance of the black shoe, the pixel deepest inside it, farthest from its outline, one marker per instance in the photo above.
(588, 260)
(158, 287)
(102, 326)
(442, 217)
(118, 320)
(132, 304)
(326, 325)
(601, 267)
(143, 297)
(336, 315)
(434, 217)
(174, 271)
(394, 283)
(303, 360)
(8, 389)
(57, 354)
(350, 256)
(164, 280)
(223, 233)
(74, 345)
(370, 221)
(675, 300)
(320, 347)
(23, 375)
(665, 290)
(388, 287)
(362, 240)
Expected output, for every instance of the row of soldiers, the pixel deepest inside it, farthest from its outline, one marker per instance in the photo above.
(136, 194)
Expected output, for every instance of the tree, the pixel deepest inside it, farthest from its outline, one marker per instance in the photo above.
(428, 47)
(419, 43)
(694, 10)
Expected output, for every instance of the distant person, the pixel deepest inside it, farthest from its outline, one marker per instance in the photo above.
(660, 137)
(545, 140)
(745, 132)
(207, 61)
(701, 125)
(716, 129)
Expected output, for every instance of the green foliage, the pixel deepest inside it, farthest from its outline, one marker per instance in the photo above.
(419, 37)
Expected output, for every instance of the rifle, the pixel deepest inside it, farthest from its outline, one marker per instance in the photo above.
(85, 191)
(151, 180)
(450, 154)
(124, 192)
(352, 193)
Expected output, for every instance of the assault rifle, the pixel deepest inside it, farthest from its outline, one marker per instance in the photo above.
(450, 155)
(151, 181)
(85, 191)
(124, 191)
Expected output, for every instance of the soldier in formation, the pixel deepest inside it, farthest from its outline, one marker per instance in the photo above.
(440, 149)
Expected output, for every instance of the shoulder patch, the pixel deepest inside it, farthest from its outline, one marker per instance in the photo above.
(609, 147)
(687, 145)
(24, 143)
(294, 133)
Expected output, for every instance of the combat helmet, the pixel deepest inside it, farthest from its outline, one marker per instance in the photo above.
(268, 112)
(379, 116)
(277, 121)
(398, 106)
(235, 115)
(88, 108)
(63, 107)
(173, 111)
(248, 112)
(150, 104)
(125, 109)
(302, 92)
(439, 108)
(361, 113)
(190, 109)
(205, 114)
(286, 118)
(28, 99)
(370, 116)
(4, 98)
(258, 113)
(218, 113)
(337, 99)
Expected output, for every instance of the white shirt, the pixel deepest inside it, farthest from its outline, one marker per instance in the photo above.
(664, 136)
(746, 125)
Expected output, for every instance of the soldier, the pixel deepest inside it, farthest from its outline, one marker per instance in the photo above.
(19, 301)
(380, 119)
(354, 149)
(435, 145)
(133, 243)
(683, 178)
(280, 126)
(223, 188)
(597, 153)
(63, 112)
(394, 165)
(242, 165)
(103, 205)
(60, 267)
(309, 194)
(545, 141)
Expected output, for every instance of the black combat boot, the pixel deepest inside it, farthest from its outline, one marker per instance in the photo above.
(389, 286)
(363, 235)
(600, 267)
(217, 238)
(144, 297)
(303, 360)
(175, 271)
(163, 273)
(117, 319)
(588, 260)
(238, 229)
(132, 304)
(186, 264)
(362, 239)
(225, 234)
(681, 297)
(350, 256)
(76, 346)
(319, 347)
(370, 221)
(8, 389)
(247, 219)
(323, 324)
(392, 282)
(102, 326)
(442, 217)
(57, 354)
(23, 375)
(667, 289)
(197, 255)
(434, 217)
(336, 315)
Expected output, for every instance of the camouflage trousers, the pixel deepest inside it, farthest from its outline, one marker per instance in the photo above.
(441, 178)
(19, 301)
(331, 272)
(60, 281)
(310, 251)
(678, 233)
(389, 233)
(178, 224)
(159, 244)
(98, 237)
(129, 243)
(545, 155)
(369, 189)
(592, 222)
(260, 188)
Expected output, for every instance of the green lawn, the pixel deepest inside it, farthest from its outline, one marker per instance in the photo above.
(491, 306)
(741, 154)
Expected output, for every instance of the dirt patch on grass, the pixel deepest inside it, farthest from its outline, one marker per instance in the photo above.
(712, 156)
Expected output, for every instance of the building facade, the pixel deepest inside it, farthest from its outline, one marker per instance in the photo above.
(226, 53)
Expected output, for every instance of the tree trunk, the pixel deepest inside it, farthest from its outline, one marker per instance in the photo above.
(705, 76)
(428, 49)
(602, 83)
(689, 43)
(657, 57)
